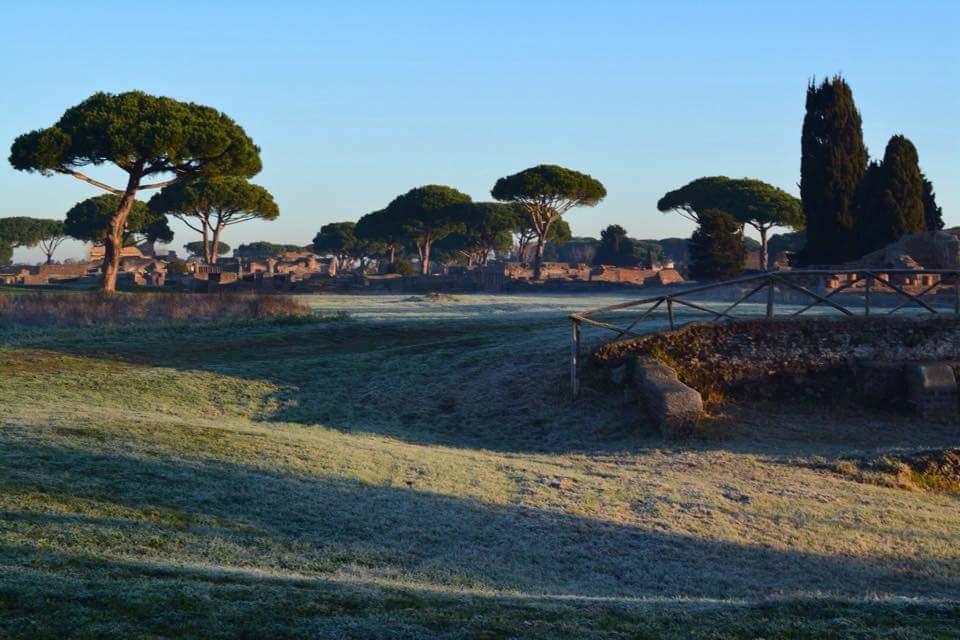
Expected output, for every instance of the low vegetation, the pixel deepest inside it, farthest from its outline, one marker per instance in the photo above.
(421, 472)
(58, 309)
(922, 471)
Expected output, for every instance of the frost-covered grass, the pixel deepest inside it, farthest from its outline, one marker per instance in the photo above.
(429, 477)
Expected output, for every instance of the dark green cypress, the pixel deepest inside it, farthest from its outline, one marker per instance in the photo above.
(833, 162)
(716, 247)
(872, 231)
(903, 188)
(932, 212)
(890, 200)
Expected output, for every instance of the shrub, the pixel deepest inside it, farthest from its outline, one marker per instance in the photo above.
(177, 266)
(716, 247)
(404, 268)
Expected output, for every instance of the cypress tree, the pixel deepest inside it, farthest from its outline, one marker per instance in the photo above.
(932, 212)
(903, 188)
(891, 198)
(716, 247)
(872, 231)
(833, 162)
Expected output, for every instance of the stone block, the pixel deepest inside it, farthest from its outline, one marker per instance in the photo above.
(932, 389)
(674, 407)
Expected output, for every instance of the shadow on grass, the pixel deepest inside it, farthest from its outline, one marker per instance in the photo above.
(124, 598)
(490, 384)
(202, 513)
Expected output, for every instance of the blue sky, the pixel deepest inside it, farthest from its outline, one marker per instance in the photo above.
(353, 103)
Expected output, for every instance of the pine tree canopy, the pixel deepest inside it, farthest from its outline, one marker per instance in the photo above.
(89, 220)
(162, 135)
(750, 202)
(196, 248)
(229, 198)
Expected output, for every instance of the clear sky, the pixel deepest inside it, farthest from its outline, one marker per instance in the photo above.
(353, 103)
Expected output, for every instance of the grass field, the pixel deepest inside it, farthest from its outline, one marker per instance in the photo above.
(418, 470)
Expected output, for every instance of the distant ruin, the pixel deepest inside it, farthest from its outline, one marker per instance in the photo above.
(303, 271)
(927, 250)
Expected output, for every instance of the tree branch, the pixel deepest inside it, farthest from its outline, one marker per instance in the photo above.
(230, 221)
(183, 219)
(157, 185)
(80, 176)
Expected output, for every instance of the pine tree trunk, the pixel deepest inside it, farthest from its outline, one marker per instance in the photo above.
(538, 258)
(214, 250)
(425, 259)
(113, 245)
(206, 242)
(764, 257)
(522, 243)
(118, 224)
(541, 243)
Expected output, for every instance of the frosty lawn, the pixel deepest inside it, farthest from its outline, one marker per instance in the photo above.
(428, 476)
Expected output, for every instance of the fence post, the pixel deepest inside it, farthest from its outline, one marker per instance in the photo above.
(866, 296)
(670, 312)
(770, 292)
(574, 353)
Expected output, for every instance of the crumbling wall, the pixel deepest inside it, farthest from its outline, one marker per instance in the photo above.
(824, 357)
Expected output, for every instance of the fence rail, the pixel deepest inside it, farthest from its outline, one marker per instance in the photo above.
(850, 292)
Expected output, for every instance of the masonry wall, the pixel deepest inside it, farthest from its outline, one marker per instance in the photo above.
(818, 354)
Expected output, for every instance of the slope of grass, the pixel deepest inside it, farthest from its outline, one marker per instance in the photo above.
(429, 477)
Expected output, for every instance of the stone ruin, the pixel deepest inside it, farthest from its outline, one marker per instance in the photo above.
(500, 275)
(895, 362)
(927, 250)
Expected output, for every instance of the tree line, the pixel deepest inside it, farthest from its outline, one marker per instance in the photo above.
(438, 218)
(849, 205)
(200, 163)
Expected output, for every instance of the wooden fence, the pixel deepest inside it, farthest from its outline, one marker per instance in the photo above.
(817, 288)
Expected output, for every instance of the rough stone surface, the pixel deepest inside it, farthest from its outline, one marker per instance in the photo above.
(675, 407)
(929, 249)
(818, 355)
(932, 389)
